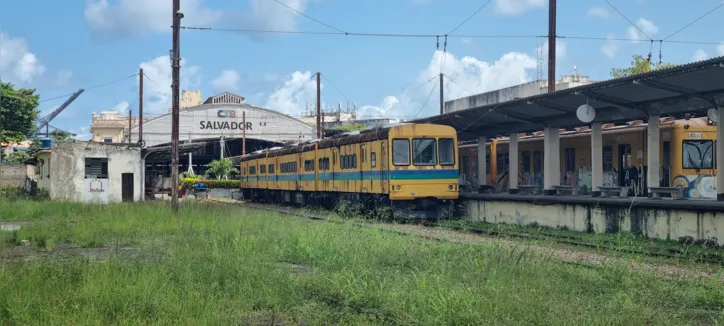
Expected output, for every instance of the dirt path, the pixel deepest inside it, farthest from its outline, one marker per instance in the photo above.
(566, 255)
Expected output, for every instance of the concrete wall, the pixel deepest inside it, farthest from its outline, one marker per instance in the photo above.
(67, 172)
(652, 220)
(12, 174)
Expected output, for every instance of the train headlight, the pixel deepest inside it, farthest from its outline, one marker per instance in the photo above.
(398, 188)
(450, 187)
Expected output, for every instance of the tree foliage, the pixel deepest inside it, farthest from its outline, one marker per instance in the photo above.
(639, 65)
(59, 134)
(221, 168)
(16, 157)
(350, 127)
(18, 112)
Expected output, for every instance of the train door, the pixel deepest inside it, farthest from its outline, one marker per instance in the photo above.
(624, 164)
(298, 170)
(365, 171)
(666, 164)
(384, 163)
(335, 169)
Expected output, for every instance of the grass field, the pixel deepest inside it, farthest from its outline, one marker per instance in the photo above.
(217, 264)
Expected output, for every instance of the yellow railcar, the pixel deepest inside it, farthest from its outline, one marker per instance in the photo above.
(686, 157)
(411, 167)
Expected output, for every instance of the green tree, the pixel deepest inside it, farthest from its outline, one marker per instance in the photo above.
(18, 112)
(350, 127)
(17, 157)
(59, 134)
(221, 168)
(639, 65)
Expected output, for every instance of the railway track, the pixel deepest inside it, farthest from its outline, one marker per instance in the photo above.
(669, 253)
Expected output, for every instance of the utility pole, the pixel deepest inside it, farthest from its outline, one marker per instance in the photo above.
(551, 46)
(442, 103)
(140, 106)
(243, 133)
(175, 70)
(319, 107)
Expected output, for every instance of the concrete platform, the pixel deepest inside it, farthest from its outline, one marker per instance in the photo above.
(690, 220)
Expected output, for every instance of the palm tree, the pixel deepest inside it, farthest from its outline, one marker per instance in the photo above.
(221, 168)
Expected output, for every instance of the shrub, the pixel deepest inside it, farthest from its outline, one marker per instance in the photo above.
(188, 183)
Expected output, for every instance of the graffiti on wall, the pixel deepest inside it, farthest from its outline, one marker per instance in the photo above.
(96, 190)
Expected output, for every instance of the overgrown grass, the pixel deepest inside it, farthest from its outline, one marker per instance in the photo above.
(219, 264)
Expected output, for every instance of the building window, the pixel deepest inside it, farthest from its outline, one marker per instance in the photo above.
(538, 162)
(526, 161)
(96, 168)
(107, 140)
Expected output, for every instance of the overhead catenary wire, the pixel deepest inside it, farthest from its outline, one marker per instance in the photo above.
(426, 100)
(309, 17)
(469, 17)
(694, 21)
(335, 87)
(412, 91)
(91, 88)
(626, 18)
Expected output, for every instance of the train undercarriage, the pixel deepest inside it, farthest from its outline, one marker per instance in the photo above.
(369, 205)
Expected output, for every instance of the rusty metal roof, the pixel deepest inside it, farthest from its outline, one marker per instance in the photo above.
(686, 89)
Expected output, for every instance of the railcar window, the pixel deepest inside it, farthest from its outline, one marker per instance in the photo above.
(401, 152)
(373, 159)
(698, 154)
(262, 169)
(447, 151)
(252, 170)
(424, 151)
(271, 168)
(354, 161)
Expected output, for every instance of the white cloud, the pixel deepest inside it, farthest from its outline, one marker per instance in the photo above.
(227, 81)
(267, 14)
(467, 40)
(720, 49)
(82, 133)
(599, 12)
(17, 62)
(63, 77)
(292, 96)
(137, 17)
(516, 7)
(158, 90)
(700, 55)
(121, 107)
(470, 76)
(610, 48)
(644, 25)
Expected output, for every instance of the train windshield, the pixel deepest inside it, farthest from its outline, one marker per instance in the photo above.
(447, 151)
(401, 152)
(698, 154)
(424, 151)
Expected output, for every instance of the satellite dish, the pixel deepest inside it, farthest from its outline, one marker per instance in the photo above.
(712, 114)
(586, 113)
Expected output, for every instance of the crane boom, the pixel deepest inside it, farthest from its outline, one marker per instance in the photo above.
(43, 122)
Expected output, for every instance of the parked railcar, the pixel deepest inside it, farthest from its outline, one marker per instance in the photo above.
(686, 149)
(411, 168)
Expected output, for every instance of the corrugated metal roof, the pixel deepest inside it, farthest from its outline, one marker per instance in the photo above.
(691, 88)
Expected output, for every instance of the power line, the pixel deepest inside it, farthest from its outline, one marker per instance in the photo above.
(412, 91)
(427, 100)
(92, 87)
(309, 17)
(456, 83)
(335, 87)
(630, 22)
(401, 35)
(469, 17)
(695, 20)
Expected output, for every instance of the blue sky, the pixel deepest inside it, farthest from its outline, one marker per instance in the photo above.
(64, 45)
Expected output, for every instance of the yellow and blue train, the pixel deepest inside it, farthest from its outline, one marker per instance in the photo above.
(411, 168)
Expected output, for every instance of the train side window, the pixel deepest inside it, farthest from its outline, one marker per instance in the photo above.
(373, 159)
(271, 168)
(252, 170)
(526, 161)
(401, 151)
(354, 161)
(607, 158)
(311, 165)
(262, 169)
(424, 151)
(326, 163)
(446, 148)
(698, 154)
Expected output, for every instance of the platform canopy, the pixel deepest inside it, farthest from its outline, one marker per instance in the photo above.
(681, 91)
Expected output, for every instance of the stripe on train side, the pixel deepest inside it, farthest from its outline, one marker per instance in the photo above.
(364, 175)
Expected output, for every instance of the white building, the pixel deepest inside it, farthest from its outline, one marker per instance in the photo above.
(515, 92)
(91, 172)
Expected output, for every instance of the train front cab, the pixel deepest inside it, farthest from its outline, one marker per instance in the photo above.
(423, 168)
